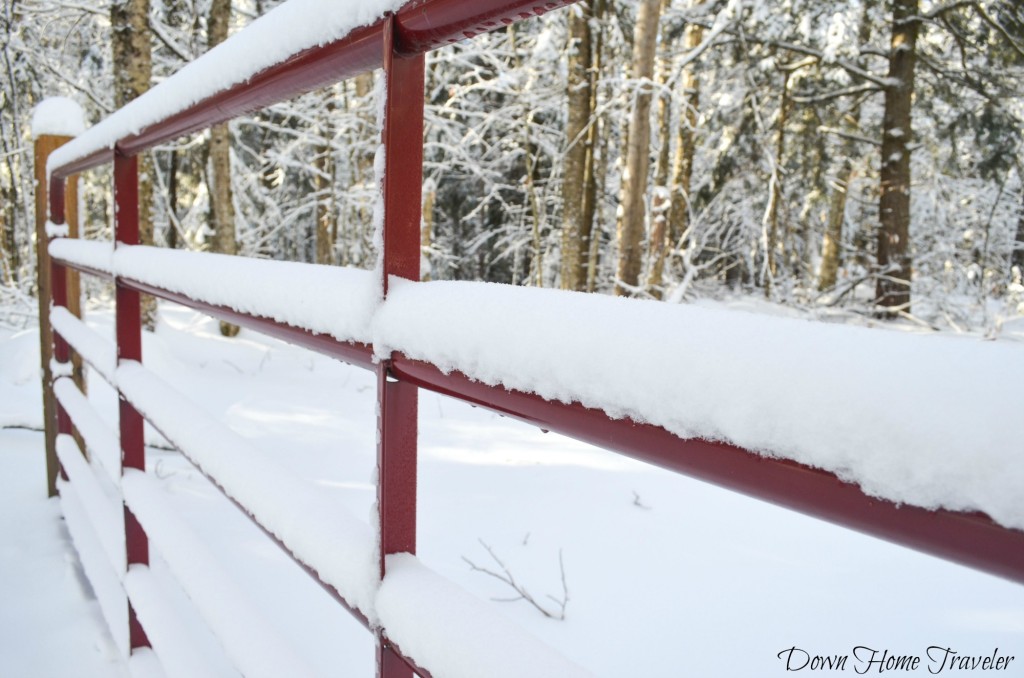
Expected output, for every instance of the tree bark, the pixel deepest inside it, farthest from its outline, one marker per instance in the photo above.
(775, 192)
(579, 158)
(8, 250)
(10, 200)
(833, 238)
(630, 227)
(892, 289)
(172, 200)
(658, 242)
(427, 230)
(831, 244)
(326, 209)
(682, 162)
(595, 171)
(222, 208)
(133, 71)
(1017, 256)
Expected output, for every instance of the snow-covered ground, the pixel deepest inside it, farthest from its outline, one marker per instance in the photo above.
(665, 576)
(49, 624)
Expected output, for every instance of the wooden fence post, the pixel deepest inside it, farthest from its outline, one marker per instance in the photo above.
(45, 144)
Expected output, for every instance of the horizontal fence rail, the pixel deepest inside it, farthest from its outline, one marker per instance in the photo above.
(370, 573)
(971, 539)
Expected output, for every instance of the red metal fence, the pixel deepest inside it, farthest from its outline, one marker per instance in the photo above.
(397, 44)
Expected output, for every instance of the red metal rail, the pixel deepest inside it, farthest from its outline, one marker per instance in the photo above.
(397, 44)
(971, 539)
(420, 26)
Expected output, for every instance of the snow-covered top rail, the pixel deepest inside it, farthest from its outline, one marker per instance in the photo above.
(295, 48)
(930, 421)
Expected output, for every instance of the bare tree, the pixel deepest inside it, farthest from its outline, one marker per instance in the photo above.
(578, 166)
(630, 227)
(892, 289)
(833, 237)
(658, 242)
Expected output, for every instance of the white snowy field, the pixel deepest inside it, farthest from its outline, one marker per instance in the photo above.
(665, 576)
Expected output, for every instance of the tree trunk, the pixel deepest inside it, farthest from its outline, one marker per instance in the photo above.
(831, 244)
(133, 70)
(326, 209)
(775, 193)
(682, 162)
(326, 221)
(1017, 255)
(427, 230)
(630, 227)
(363, 84)
(8, 250)
(172, 200)
(529, 172)
(594, 173)
(658, 243)
(894, 259)
(222, 208)
(579, 158)
(14, 161)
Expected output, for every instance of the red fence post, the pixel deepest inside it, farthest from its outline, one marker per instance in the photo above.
(128, 329)
(59, 296)
(402, 137)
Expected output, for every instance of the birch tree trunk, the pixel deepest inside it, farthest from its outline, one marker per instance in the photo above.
(595, 171)
(658, 242)
(222, 208)
(630, 226)
(772, 249)
(133, 71)
(892, 289)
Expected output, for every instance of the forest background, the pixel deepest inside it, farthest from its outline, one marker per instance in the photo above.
(849, 159)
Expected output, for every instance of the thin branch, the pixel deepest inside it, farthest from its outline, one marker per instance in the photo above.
(834, 94)
(998, 27)
(506, 577)
(851, 68)
(158, 30)
(848, 135)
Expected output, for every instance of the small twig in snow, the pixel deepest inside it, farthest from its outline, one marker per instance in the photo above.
(231, 364)
(638, 503)
(507, 578)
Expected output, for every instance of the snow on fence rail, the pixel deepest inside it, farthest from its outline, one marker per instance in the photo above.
(250, 641)
(957, 450)
(680, 387)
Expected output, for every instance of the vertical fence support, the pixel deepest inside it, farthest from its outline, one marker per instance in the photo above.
(397, 409)
(128, 328)
(63, 208)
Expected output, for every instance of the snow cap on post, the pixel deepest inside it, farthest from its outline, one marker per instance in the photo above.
(59, 116)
